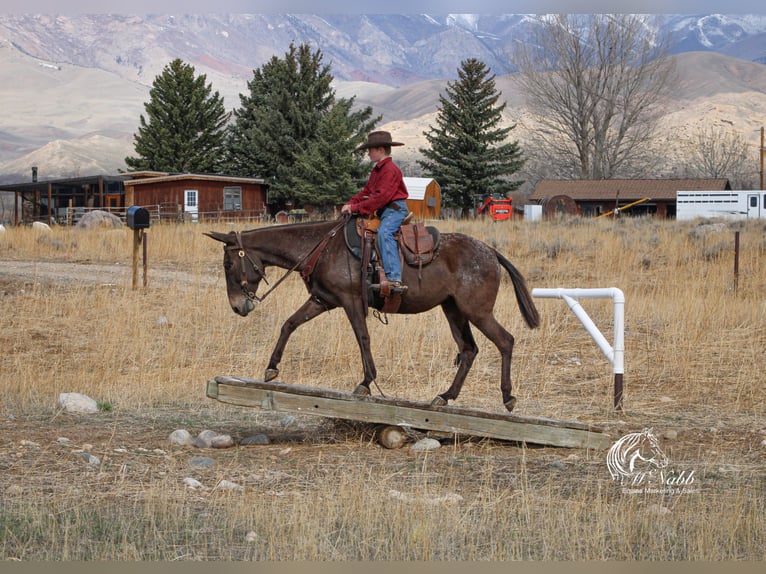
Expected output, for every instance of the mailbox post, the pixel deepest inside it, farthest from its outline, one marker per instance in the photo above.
(138, 220)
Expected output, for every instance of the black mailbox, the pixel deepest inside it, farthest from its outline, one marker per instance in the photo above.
(138, 217)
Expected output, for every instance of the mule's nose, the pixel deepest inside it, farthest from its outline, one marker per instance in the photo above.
(244, 308)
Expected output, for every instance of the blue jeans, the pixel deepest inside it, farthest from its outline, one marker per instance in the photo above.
(390, 220)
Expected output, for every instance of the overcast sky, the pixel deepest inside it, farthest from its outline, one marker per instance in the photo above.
(390, 6)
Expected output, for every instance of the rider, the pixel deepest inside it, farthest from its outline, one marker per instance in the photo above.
(385, 192)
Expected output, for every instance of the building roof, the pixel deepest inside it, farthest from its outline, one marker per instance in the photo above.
(625, 189)
(160, 177)
(416, 186)
(42, 184)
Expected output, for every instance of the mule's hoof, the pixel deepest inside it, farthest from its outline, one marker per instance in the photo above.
(362, 391)
(510, 404)
(271, 374)
(439, 401)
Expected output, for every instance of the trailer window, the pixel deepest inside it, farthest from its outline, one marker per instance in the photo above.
(753, 201)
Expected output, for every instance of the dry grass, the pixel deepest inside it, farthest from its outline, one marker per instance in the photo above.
(324, 490)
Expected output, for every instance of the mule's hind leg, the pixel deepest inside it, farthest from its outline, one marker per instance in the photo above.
(467, 349)
(310, 309)
(503, 340)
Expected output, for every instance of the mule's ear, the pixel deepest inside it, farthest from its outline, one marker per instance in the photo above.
(222, 237)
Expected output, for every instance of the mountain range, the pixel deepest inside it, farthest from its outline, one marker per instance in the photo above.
(74, 86)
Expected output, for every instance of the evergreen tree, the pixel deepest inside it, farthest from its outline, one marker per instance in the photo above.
(326, 171)
(291, 131)
(186, 123)
(469, 155)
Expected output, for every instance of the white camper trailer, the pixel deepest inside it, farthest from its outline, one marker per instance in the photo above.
(748, 204)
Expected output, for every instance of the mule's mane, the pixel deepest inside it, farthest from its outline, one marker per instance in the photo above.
(300, 225)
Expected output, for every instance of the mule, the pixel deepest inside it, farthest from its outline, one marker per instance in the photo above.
(464, 279)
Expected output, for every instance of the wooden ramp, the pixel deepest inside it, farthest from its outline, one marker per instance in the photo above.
(276, 396)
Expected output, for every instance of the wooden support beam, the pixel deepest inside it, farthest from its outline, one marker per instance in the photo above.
(279, 396)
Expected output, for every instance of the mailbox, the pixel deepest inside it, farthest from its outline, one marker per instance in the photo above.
(138, 217)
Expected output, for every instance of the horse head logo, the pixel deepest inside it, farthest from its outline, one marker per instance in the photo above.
(635, 455)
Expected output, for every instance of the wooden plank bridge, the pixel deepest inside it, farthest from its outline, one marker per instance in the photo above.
(278, 396)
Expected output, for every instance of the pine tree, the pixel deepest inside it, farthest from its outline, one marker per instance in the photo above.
(291, 131)
(186, 123)
(326, 171)
(469, 155)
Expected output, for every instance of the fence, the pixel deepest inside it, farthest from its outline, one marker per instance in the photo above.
(615, 354)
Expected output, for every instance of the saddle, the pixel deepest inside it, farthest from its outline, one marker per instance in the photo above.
(418, 243)
(418, 246)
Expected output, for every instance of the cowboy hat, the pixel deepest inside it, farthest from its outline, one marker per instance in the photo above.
(378, 139)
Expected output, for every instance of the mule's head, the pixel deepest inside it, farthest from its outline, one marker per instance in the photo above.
(243, 270)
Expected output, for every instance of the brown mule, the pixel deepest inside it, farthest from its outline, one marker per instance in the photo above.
(464, 280)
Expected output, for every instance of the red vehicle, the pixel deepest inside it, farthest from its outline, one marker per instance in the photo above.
(498, 208)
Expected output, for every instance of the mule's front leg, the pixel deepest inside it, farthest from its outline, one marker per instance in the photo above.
(310, 309)
(359, 324)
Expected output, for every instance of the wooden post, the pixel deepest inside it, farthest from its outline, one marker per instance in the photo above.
(143, 240)
(736, 260)
(137, 237)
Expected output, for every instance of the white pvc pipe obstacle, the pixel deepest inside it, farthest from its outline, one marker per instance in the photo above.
(616, 353)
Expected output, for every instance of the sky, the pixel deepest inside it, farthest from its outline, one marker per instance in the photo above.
(380, 7)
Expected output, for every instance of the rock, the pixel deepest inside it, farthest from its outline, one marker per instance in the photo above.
(558, 465)
(670, 434)
(180, 437)
(204, 439)
(40, 226)
(426, 444)
(90, 459)
(77, 403)
(259, 439)
(222, 441)
(202, 462)
(193, 483)
(763, 443)
(228, 485)
(62, 440)
(251, 536)
(98, 218)
(666, 400)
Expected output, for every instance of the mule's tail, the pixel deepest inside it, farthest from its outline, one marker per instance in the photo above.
(523, 296)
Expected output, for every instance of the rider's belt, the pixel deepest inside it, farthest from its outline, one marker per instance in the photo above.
(393, 205)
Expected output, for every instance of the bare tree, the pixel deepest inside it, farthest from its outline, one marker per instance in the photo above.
(595, 83)
(717, 152)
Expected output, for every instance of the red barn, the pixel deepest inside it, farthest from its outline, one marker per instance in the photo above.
(193, 197)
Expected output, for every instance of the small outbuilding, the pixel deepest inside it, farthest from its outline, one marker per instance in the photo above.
(425, 198)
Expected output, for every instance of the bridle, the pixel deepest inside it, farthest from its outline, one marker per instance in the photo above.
(310, 259)
(244, 255)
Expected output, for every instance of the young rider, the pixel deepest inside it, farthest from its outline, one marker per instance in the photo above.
(384, 192)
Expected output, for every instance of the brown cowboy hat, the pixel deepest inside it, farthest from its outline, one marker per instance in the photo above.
(378, 139)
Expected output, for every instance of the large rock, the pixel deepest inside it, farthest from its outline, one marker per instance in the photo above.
(77, 403)
(98, 218)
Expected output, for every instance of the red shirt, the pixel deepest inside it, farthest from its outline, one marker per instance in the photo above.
(384, 185)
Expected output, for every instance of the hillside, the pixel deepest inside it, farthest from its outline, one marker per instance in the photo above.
(71, 120)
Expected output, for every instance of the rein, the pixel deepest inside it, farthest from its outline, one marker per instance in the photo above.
(312, 257)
